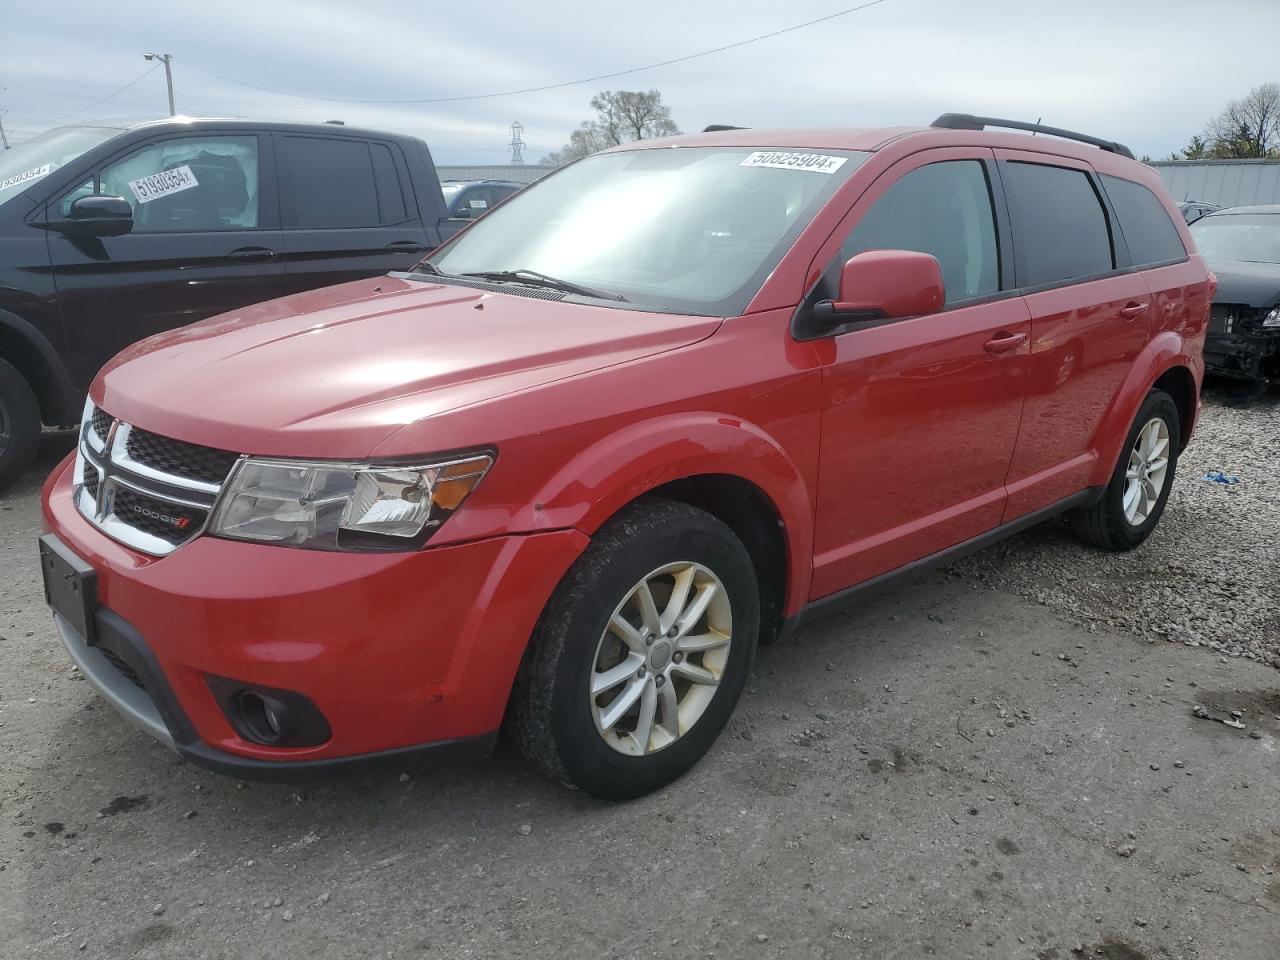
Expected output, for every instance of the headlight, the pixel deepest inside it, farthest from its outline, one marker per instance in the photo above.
(1272, 319)
(343, 506)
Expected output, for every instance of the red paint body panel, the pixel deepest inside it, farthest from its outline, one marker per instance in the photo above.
(395, 649)
(876, 447)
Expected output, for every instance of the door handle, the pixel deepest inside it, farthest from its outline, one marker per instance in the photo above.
(252, 255)
(1132, 310)
(406, 246)
(1004, 342)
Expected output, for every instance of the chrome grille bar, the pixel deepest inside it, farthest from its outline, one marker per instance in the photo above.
(153, 511)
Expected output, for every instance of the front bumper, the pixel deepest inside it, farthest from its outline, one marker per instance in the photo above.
(399, 651)
(1242, 356)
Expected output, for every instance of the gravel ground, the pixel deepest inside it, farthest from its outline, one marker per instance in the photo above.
(1209, 575)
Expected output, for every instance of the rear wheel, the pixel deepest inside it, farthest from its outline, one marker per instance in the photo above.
(1134, 500)
(19, 424)
(641, 654)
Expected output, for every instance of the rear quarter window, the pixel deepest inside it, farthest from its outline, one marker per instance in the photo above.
(1059, 227)
(1148, 231)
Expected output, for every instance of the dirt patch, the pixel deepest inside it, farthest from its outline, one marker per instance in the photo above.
(126, 805)
(1007, 847)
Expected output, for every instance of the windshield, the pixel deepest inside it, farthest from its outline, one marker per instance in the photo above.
(690, 229)
(40, 156)
(1234, 236)
(450, 190)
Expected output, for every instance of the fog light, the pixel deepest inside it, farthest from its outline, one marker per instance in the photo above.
(268, 715)
(264, 718)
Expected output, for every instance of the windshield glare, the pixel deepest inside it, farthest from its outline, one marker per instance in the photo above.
(690, 229)
(40, 156)
(1236, 236)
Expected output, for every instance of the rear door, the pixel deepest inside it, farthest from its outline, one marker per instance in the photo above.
(1089, 320)
(1180, 296)
(920, 415)
(206, 239)
(347, 209)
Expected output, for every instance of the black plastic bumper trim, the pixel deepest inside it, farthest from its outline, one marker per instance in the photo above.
(287, 771)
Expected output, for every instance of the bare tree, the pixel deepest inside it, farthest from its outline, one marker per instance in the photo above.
(621, 116)
(1247, 128)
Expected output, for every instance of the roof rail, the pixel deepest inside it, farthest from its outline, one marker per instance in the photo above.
(719, 127)
(966, 121)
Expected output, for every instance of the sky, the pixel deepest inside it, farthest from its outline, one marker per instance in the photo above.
(1146, 73)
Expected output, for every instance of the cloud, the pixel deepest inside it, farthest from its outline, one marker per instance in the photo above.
(1138, 72)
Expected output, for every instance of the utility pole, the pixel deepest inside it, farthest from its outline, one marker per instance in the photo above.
(167, 60)
(517, 143)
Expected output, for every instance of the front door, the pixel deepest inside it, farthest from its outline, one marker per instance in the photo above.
(205, 240)
(920, 416)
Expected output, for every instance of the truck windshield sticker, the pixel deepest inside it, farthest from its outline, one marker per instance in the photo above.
(162, 184)
(35, 173)
(813, 162)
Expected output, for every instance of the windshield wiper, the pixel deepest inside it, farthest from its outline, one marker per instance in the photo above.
(533, 278)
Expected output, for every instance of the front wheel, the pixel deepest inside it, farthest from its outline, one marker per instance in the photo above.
(1134, 499)
(641, 654)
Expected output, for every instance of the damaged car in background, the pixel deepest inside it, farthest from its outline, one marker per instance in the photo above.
(1242, 245)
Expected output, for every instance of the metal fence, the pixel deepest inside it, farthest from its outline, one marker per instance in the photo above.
(1228, 183)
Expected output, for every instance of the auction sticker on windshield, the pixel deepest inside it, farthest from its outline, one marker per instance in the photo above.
(33, 174)
(162, 184)
(777, 160)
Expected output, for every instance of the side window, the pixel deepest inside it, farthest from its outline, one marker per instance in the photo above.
(191, 184)
(1059, 227)
(391, 201)
(333, 183)
(477, 200)
(1148, 231)
(943, 209)
(84, 190)
(501, 193)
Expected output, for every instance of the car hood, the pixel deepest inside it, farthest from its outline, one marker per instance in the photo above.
(334, 372)
(1253, 284)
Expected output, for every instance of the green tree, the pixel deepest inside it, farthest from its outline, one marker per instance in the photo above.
(621, 117)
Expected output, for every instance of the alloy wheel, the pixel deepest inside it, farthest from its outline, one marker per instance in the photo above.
(660, 658)
(1148, 468)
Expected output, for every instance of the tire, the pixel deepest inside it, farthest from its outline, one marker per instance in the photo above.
(19, 425)
(554, 718)
(1106, 523)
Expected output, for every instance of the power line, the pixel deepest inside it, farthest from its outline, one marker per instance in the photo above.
(550, 86)
(74, 96)
(90, 106)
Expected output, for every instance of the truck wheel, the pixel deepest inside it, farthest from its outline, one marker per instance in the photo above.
(1134, 499)
(19, 424)
(641, 654)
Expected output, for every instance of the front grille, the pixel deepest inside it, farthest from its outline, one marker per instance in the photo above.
(179, 457)
(159, 518)
(150, 492)
(91, 483)
(101, 421)
(129, 673)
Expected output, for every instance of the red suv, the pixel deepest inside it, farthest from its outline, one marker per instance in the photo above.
(663, 404)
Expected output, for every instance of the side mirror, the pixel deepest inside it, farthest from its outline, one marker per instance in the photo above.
(884, 285)
(462, 213)
(100, 217)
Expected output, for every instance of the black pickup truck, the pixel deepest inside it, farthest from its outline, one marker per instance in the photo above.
(112, 232)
